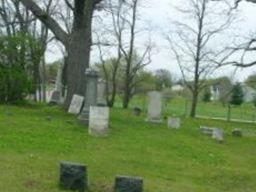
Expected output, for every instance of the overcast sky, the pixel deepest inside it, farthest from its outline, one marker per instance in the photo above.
(159, 12)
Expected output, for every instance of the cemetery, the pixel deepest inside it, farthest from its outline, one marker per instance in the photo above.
(166, 159)
(111, 96)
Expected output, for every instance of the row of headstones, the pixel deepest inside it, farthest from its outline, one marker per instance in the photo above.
(154, 111)
(218, 134)
(91, 108)
(74, 177)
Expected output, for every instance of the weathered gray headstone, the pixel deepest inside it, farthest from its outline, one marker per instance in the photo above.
(90, 95)
(101, 93)
(217, 134)
(206, 130)
(58, 82)
(128, 184)
(98, 121)
(76, 104)
(154, 107)
(173, 122)
(237, 133)
(73, 176)
(55, 97)
(137, 111)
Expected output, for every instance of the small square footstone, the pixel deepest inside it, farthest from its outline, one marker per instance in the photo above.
(73, 176)
(173, 122)
(128, 184)
(237, 133)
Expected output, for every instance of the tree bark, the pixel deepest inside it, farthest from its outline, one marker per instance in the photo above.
(77, 44)
(79, 49)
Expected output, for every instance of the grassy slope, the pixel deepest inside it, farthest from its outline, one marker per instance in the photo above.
(31, 148)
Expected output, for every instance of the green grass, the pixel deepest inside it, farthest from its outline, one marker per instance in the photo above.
(184, 160)
(181, 107)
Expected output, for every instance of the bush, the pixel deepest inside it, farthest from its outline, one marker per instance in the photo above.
(237, 96)
(207, 95)
(14, 85)
(17, 54)
(254, 101)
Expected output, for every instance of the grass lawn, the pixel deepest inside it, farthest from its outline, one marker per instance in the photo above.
(181, 107)
(31, 148)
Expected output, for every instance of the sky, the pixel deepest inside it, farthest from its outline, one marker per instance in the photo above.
(159, 13)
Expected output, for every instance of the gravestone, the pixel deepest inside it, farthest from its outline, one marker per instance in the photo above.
(217, 134)
(90, 95)
(173, 122)
(154, 107)
(76, 104)
(55, 97)
(137, 111)
(206, 130)
(128, 184)
(73, 176)
(237, 133)
(98, 121)
(58, 82)
(101, 93)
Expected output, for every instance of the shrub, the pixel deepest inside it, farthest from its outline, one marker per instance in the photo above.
(237, 96)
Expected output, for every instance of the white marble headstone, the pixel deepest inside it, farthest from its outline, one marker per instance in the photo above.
(98, 121)
(173, 122)
(76, 104)
(217, 134)
(101, 92)
(154, 107)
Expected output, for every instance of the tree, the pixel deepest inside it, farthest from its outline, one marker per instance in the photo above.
(251, 81)
(18, 54)
(123, 33)
(225, 90)
(207, 95)
(191, 42)
(109, 70)
(18, 20)
(77, 43)
(237, 95)
(163, 79)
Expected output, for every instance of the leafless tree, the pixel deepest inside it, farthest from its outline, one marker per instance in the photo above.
(192, 43)
(122, 33)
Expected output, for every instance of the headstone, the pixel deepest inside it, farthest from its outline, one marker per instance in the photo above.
(98, 121)
(217, 134)
(76, 104)
(49, 118)
(173, 122)
(154, 107)
(128, 184)
(101, 93)
(55, 97)
(90, 95)
(237, 133)
(137, 111)
(58, 82)
(73, 176)
(206, 130)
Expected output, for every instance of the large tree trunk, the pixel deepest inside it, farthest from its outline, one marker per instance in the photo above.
(77, 44)
(194, 105)
(79, 50)
(126, 98)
